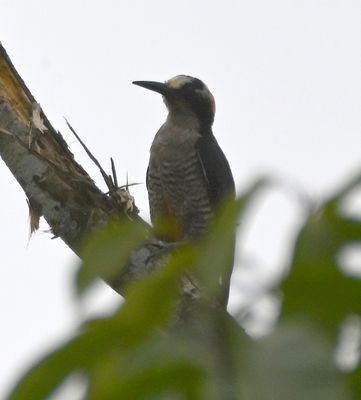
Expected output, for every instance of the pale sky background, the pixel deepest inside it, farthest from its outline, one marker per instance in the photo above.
(286, 76)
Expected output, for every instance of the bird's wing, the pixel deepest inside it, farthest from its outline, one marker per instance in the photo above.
(221, 186)
(216, 169)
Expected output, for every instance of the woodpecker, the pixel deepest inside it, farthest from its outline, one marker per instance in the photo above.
(188, 175)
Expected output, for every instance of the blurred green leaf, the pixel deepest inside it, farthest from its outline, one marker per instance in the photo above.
(316, 286)
(354, 381)
(148, 350)
(217, 250)
(149, 306)
(107, 250)
(294, 362)
(163, 365)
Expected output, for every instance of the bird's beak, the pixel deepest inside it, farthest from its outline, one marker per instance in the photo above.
(158, 87)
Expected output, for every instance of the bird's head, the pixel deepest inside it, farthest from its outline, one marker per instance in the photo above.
(184, 95)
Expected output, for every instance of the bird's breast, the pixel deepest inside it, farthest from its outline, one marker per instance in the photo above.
(173, 143)
(176, 184)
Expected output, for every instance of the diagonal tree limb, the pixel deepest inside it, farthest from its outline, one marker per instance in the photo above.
(56, 186)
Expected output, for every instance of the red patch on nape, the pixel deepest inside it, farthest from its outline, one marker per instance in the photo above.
(212, 103)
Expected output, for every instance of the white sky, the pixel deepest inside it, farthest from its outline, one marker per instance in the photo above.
(287, 82)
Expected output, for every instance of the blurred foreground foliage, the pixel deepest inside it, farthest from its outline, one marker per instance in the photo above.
(146, 350)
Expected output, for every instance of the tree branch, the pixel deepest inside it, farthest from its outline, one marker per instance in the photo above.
(56, 186)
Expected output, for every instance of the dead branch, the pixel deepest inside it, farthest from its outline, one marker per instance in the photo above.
(56, 186)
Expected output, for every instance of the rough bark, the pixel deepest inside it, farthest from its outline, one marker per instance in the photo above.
(56, 186)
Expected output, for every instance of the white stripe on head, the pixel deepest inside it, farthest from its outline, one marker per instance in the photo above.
(178, 81)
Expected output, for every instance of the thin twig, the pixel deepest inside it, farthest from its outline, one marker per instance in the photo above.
(6, 132)
(126, 185)
(114, 172)
(106, 178)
